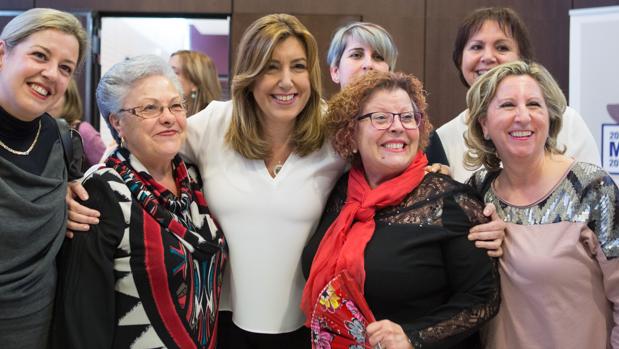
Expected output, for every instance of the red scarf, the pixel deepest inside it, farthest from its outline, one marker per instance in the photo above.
(356, 219)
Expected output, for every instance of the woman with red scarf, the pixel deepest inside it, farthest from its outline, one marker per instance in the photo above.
(390, 265)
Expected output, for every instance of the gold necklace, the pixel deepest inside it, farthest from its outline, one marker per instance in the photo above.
(27, 151)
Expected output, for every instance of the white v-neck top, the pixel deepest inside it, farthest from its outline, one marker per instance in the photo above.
(266, 220)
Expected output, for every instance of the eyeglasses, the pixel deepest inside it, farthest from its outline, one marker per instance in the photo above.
(151, 111)
(410, 120)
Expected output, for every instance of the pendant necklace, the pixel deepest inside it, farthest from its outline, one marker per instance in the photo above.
(277, 167)
(27, 151)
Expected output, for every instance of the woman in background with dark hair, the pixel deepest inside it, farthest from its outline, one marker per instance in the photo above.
(486, 38)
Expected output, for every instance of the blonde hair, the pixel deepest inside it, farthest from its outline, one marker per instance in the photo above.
(39, 19)
(483, 151)
(245, 133)
(200, 70)
(72, 107)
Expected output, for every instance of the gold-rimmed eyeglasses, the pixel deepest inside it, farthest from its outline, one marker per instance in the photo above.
(154, 110)
(410, 120)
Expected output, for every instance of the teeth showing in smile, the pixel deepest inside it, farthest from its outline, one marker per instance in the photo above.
(520, 133)
(481, 72)
(284, 98)
(39, 89)
(394, 145)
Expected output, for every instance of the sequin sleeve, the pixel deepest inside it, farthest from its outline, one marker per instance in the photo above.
(601, 196)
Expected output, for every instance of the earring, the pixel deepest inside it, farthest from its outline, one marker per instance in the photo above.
(122, 142)
(354, 151)
(193, 94)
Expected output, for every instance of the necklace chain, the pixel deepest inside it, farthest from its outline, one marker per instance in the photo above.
(27, 151)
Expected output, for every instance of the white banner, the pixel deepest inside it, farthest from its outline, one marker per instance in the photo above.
(594, 77)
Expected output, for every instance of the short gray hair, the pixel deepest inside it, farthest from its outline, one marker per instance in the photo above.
(370, 34)
(116, 83)
(39, 19)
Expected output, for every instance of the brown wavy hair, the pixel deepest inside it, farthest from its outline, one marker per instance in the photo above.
(345, 106)
(200, 69)
(245, 133)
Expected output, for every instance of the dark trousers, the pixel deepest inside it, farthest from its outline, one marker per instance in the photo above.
(230, 336)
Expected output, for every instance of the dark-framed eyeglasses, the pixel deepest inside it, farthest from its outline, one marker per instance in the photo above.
(154, 110)
(410, 120)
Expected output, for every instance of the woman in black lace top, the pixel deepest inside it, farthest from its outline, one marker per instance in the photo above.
(400, 236)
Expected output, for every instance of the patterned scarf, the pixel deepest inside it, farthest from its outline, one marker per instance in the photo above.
(337, 252)
(203, 240)
(170, 211)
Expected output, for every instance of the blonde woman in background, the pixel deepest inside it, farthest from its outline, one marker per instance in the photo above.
(198, 76)
(69, 108)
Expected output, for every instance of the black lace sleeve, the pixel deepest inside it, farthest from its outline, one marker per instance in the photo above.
(473, 276)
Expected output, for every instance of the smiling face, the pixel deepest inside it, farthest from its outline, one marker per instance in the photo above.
(385, 154)
(486, 49)
(517, 120)
(357, 59)
(36, 72)
(156, 140)
(283, 89)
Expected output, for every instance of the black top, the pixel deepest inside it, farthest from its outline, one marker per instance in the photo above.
(435, 151)
(19, 135)
(421, 270)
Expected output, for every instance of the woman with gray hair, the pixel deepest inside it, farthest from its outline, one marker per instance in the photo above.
(39, 52)
(559, 270)
(154, 262)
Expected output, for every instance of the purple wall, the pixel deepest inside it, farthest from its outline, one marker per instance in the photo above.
(215, 46)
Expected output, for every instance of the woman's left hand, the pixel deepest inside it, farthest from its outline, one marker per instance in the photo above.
(489, 235)
(386, 334)
(438, 168)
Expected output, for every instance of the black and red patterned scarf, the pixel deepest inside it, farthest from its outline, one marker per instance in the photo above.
(194, 277)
